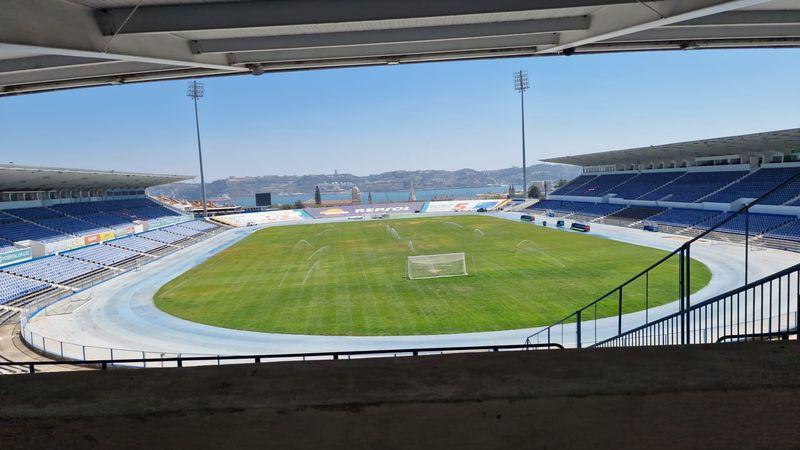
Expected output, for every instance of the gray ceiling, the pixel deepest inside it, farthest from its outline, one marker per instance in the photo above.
(24, 178)
(58, 44)
(781, 141)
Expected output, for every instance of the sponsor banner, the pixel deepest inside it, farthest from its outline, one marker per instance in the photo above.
(461, 205)
(262, 217)
(164, 221)
(98, 237)
(40, 249)
(127, 231)
(14, 256)
(365, 210)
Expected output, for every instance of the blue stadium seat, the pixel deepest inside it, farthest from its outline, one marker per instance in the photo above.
(14, 287)
(755, 185)
(644, 183)
(103, 254)
(54, 269)
(693, 186)
(573, 184)
(756, 223)
(680, 217)
(602, 184)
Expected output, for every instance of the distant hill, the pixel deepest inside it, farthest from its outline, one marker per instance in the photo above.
(388, 181)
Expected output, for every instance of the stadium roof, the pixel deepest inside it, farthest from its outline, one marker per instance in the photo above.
(23, 178)
(782, 141)
(57, 44)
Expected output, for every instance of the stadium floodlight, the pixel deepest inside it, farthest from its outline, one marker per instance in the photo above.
(436, 266)
(521, 85)
(196, 90)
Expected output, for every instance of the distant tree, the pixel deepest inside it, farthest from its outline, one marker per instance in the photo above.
(511, 191)
(534, 192)
(369, 198)
(317, 196)
(560, 183)
(299, 204)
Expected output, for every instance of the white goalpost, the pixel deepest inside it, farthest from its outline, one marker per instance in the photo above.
(436, 266)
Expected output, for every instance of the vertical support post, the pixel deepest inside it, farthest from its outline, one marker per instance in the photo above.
(687, 282)
(578, 329)
(647, 297)
(681, 274)
(746, 244)
(619, 313)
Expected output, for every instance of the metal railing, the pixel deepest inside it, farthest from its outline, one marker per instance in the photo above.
(644, 296)
(765, 309)
(182, 360)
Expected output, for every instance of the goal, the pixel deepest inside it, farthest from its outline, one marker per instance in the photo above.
(436, 266)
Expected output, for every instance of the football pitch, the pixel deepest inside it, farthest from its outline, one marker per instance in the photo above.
(350, 278)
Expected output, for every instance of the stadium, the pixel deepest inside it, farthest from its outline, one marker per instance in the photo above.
(353, 316)
(364, 277)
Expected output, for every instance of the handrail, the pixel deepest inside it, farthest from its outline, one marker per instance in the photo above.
(257, 358)
(682, 248)
(783, 335)
(705, 303)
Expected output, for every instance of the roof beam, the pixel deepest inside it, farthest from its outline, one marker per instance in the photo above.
(530, 42)
(398, 35)
(66, 29)
(738, 18)
(251, 14)
(119, 69)
(609, 23)
(44, 62)
(714, 32)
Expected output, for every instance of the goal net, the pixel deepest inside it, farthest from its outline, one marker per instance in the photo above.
(436, 266)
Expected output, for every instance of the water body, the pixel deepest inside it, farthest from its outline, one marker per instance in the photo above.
(383, 197)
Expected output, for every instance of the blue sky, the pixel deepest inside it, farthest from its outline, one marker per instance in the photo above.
(417, 116)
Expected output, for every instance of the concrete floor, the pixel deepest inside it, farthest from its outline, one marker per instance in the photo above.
(122, 314)
(724, 396)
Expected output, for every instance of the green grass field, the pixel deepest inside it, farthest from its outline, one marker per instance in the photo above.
(349, 278)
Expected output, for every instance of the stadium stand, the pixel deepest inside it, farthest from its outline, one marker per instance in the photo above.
(103, 254)
(17, 230)
(601, 185)
(198, 225)
(137, 244)
(163, 236)
(755, 185)
(693, 186)
(54, 269)
(574, 184)
(598, 210)
(34, 214)
(6, 245)
(645, 182)
(680, 217)
(631, 215)
(183, 231)
(71, 226)
(758, 223)
(562, 206)
(785, 237)
(13, 287)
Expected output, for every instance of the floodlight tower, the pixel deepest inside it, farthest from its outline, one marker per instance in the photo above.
(521, 85)
(195, 91)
